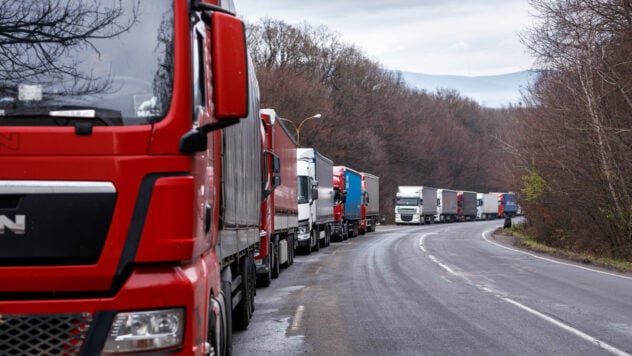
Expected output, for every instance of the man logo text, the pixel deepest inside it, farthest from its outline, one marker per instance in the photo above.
(17, 226)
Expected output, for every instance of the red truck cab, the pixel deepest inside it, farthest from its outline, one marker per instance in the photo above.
(111, 155)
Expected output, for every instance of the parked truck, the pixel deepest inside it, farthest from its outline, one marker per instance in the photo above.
(507, 205)
(347, 202)
(466, 206)
(415, 204)
(130, 187)
(371, 201)
(487, 206)
(279, 211)
(315, 199)
(447, 206)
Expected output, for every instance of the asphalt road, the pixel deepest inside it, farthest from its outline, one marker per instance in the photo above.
(443, 289)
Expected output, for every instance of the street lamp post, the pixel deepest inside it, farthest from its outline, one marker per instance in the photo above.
(298, 128)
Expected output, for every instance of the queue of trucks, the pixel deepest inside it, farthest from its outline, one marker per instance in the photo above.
(426, 205)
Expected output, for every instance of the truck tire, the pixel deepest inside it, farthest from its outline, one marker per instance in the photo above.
(354, 230)
(264, 280)
(323, 242)
(226, 332)
(316, 238)
(274, 265)
(290, 252)
(243, 311)
(327, 235)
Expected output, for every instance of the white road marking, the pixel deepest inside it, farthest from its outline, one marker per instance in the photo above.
(607, 347)
(318, 270)
(421, 241)
(298, 315)
(435, 260)
(550, 260)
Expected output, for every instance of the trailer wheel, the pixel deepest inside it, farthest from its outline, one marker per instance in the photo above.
(243, 311)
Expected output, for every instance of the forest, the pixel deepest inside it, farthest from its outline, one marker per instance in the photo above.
(566, 150)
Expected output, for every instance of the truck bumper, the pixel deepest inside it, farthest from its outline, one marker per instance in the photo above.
(146, 289)
(338, 229)
(407, 219)
(263, 265)
(304, 241)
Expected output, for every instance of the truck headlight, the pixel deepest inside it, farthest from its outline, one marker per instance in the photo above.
(302, 229)
(145, 331)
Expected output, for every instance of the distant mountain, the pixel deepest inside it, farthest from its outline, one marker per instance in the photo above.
(489, 91)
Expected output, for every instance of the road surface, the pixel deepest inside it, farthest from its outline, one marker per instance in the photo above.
(442, 289)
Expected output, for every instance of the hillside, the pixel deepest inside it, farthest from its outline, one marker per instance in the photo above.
(489, 91)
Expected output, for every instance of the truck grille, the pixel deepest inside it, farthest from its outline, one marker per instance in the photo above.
(407, 210)
(35, 335)
(407, 217)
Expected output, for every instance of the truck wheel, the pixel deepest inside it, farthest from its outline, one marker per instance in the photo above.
(323, 242)
(291, 250)
(264, 280)
(243, 311)
(226, 324)
(355, 230)
(274, 266)
(316, 238)
(327, 235)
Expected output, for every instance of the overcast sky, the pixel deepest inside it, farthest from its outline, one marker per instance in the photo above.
(458, 37)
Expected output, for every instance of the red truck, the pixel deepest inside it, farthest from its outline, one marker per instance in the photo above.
(370, 202)
(130, 189)
(279, 208)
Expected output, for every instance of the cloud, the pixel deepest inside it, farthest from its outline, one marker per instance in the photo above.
(424, 36)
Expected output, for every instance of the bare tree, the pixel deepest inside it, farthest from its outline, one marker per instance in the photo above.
(577, 136)
(38, 40)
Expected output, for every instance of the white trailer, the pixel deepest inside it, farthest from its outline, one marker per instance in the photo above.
(315, 198)
(415, 204)
(447, 206)
(486, 206)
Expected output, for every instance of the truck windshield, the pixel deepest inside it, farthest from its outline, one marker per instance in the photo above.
(407, 201)
(303, 189)
(106, 61)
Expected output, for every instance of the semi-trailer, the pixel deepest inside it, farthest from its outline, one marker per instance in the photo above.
(507, 205)
(466, 205)
(315, 199)
(279, 211)
(487, 206)
(347, 202)
(447, 206)
(371, 201)
(415, 204)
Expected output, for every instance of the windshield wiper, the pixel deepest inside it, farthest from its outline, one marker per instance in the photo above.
(65, 115)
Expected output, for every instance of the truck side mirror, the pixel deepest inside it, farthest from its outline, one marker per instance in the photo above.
(230, 66)
(314, 194)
